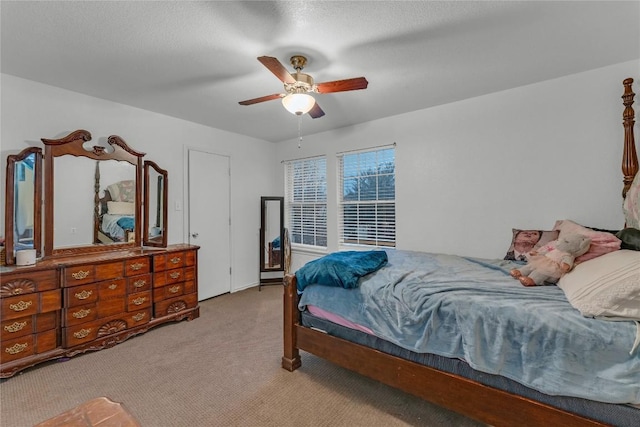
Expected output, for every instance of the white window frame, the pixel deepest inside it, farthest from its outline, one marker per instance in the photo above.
(373, 224)
(306, 198)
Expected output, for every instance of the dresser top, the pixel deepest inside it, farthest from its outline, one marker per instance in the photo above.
(98, 257)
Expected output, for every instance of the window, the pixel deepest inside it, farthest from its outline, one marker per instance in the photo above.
(367, 198)
(306, 201)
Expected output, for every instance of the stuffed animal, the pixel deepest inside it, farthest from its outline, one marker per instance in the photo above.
(553, 260)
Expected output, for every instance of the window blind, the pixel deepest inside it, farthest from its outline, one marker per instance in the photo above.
(367, 211)
(306, 201)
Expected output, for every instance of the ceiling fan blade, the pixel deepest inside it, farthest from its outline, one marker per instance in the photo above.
(277, 68)
(342, 85)
(261, 99)
(316, 111)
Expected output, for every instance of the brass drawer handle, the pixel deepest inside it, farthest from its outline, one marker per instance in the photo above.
(139, 283)
(174, 275)
(138, 317)
(16, 348)
(81, 314)
(15, 327)
(82, 333)
(113, 286)
(139, 300)
(21, 306)
(174, 289)
(137, 266)
(80, 275)
(175, 260)
(84, 294)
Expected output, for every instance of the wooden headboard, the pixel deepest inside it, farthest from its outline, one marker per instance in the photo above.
(629, 155)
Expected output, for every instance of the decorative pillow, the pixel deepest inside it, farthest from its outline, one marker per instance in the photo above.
(123, 191)
(631, 204)
(525, 241)
(341, 269)
(121, 208)
(608, 286)
(630, 238)
(602, 242)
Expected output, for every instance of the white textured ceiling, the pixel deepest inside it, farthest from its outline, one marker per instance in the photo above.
(196, 60)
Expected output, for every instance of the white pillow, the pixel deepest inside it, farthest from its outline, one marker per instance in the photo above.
(607, 286)
(121, 208)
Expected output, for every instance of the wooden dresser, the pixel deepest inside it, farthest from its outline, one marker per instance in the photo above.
(64, 306)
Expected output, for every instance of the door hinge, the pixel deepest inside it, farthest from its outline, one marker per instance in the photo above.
(229, 271)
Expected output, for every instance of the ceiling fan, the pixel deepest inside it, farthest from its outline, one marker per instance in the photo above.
(297, 86)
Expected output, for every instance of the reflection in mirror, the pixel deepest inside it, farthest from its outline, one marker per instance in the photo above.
(102, 196)
(23, 198)
(271, 231)
(155, 205)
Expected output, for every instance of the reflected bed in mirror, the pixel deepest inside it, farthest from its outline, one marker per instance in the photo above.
(22, 208)
(97, 206)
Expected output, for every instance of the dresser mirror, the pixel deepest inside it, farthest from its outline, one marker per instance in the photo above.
(98, 206)
(23, 203)
(155, 202)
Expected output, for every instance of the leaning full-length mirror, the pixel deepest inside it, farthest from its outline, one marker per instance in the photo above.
(23, 202)
(155, 205)
(271, 234)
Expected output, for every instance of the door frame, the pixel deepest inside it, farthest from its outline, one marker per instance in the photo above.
(186, 217)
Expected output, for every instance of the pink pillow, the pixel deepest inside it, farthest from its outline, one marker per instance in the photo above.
(601, 241)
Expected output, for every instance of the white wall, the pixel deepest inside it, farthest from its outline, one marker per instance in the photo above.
(467, 172)
(30, 111)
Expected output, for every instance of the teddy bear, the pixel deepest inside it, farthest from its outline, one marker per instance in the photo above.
(551, 261)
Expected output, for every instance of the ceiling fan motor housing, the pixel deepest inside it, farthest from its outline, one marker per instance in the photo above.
(304, 83)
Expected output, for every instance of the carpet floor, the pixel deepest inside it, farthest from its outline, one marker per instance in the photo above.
(222, 369)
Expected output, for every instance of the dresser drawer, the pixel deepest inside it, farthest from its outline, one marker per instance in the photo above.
(20, 306)
(137, 266)
(138, 318)
(81, 295)
(27, 282)
(87, 332)
(17, 348)
(109, 289)
(80, 314)
(15, 328)
(78, 275)
(138, 301)
(175, 305)
(111, 270)
(28, 345)
(111, 307)
(169, 291)
(139, 283)
(173, 260)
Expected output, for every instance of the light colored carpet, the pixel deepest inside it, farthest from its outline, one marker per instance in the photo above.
(222, 369)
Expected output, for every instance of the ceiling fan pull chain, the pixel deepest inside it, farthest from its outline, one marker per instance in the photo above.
(299, 133)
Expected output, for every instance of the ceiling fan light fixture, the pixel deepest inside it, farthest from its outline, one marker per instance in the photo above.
(298, 103)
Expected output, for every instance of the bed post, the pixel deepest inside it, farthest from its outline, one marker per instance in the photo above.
(629, 156)
(291, 359)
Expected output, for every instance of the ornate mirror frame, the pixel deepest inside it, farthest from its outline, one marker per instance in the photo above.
(157, 191)
(73, 144)
(10, 205)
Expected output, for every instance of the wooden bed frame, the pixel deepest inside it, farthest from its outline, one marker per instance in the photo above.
(459, 394)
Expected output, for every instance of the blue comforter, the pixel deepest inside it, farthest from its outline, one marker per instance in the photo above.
(472, 309)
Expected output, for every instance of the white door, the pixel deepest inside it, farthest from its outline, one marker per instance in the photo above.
(209, 220)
